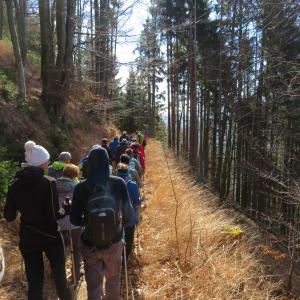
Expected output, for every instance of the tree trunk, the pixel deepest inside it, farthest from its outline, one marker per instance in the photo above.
(97, 46)
(193, 103)
(60, 32)
(21, 25)
(67, 72)
(1, 19)
(169, 91)
(17, 51)
(47, 53)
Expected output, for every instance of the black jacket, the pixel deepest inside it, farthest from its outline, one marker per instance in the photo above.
(121, 149)
(35, 196)
(116, 187)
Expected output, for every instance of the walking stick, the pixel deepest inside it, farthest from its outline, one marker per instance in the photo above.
(125, 266)
(72, 255)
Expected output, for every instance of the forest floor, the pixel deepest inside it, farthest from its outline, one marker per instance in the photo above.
(187, 246)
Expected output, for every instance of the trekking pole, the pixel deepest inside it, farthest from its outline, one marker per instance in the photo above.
(137, 241)
(125, 266)
(72, 254)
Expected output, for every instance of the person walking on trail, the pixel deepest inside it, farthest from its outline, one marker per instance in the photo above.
(134, 195)
(113, 145)
(141, 149)
(104, 145)
(34, 196)
(124, 136)
(139, 137)
(65, 188)
(101, 204)
(133, 163)
(56, 169)
(138, 155)
(121, 150)
(134, 175)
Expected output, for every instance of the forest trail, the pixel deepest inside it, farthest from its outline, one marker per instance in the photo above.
(196, 259)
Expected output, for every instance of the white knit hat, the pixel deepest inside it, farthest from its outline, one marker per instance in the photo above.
(35, 155)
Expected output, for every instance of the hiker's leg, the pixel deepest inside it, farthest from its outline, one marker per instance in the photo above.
(112, 260)
(55, 254)
(76, 233)
(129, 236)
(34, 269)
(93, 268)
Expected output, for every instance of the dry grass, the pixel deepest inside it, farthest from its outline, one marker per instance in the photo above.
(203, 262)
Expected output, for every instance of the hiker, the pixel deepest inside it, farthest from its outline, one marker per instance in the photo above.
(133, 163)
(104, 145)
(139, 137)
(83, 166)
(34, 195)
(124, 136)
(121, 150)
(138, 155)
(134, 196)
(145, 138)
(56, 169)
(113, 145)
(101, 204)
(65, 188)
(141, 149)
(83, 163)
(134, 175)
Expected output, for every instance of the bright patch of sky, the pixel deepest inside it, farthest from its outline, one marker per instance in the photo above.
(129, 35)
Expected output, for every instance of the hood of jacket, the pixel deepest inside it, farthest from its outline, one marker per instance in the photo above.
(29, 174)
(97, 167)
(65, 185)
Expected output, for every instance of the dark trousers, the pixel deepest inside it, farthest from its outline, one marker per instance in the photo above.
(34, 267)
(129, 237)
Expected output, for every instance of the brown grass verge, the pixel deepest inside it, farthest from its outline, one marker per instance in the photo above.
(203, 262)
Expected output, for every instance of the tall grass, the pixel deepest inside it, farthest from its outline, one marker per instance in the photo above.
(187, 253)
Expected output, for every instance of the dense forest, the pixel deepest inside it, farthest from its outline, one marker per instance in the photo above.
(233, 100)
(230, 71)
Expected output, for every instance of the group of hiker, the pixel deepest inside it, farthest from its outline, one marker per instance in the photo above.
(93, 207)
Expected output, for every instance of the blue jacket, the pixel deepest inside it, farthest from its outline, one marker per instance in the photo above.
(134, 196)
(113, 146)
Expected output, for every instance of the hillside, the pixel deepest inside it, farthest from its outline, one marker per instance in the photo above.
(20, 122)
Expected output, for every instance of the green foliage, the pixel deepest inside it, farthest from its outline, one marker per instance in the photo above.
(161, 133)
(34, 57)
(8, 169)
(7, 41)
(8, 89)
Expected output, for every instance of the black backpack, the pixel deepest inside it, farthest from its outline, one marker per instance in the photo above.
(103, 218)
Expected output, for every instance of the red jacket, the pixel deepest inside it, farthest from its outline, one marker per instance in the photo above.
(141, 149)
(141, 158)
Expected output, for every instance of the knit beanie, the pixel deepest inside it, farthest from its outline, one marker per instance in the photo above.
(65, 157)
(35, 155)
